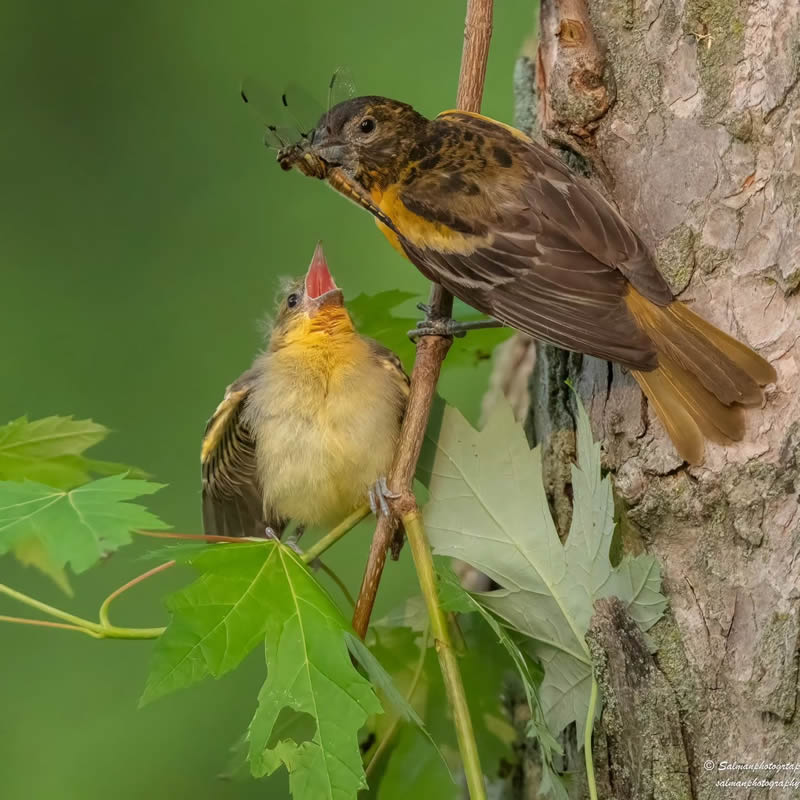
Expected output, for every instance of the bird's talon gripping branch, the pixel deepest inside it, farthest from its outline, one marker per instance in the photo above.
(291, 543)
(443, 326)
(379, 494)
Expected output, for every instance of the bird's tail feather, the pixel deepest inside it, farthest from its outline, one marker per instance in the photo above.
(703, 376)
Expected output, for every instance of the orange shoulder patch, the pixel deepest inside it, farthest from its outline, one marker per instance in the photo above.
(421, 232)
(518, 134)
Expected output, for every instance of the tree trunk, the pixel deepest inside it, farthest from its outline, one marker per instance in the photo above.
(688, 115)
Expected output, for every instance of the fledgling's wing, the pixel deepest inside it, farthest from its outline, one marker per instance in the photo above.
(390, 361)
(543, 251)
(232, 498)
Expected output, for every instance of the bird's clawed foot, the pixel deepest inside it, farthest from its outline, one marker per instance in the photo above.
(291, 541)
(434, 325)
(379, 494)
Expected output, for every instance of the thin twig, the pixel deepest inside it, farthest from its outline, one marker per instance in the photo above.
(193, 537)
(45, 623)
(87, 626)
(105, 630)
(104, 620)
(587, 741)
(431, 350)
(333, 536)
(389, 735)
(448, 662)
(477, 37)
(339, 582)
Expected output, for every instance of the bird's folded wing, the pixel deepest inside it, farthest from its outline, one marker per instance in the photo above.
(544, 251)
(391, 362)
(232, 499)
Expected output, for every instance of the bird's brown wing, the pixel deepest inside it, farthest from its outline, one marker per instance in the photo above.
(392, 363)
(232, 499)
(543, 251)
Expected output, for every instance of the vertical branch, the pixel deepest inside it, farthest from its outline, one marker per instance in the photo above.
(477, 36)
(431, 350)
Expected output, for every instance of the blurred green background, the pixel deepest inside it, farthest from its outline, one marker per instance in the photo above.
(142, 227)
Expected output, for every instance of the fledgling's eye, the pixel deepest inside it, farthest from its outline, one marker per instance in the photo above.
(367, 125)
(292, 300)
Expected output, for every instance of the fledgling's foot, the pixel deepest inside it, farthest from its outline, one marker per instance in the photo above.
(298, 532)
(378, 495)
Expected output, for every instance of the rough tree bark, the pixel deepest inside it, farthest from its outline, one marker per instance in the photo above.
(687, 112)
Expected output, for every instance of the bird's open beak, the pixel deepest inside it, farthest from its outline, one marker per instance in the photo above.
(321, 289)
(328, 147)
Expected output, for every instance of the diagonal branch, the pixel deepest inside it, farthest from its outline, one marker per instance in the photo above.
(431, 350)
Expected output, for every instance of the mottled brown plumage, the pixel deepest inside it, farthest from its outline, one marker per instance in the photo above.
(505, 226)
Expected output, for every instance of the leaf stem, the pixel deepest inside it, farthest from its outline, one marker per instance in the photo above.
(104, 620)
(423, 560)
(105, 630)
(46, 624)
(87, 626)
(339, 582)
(587, 741)
(412, 687)
(330, 538)
(193, 537)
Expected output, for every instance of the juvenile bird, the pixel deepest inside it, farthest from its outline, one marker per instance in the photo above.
(505, 226)
(308, 433)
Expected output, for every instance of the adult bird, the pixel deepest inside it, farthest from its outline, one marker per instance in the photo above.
(309, 432)
(505, 226)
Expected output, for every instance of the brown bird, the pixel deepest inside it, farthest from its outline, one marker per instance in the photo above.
(309, 432)
(505, 226)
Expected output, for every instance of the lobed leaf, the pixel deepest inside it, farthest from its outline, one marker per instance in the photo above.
(77, 527)
(313, 702)
(488, 507)
(50, 451)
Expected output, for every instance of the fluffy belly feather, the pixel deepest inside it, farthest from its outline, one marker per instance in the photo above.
(323, 443)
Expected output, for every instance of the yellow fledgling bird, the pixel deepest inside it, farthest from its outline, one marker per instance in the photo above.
(309, 432)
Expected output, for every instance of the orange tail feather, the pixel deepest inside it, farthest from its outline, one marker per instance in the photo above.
(703, 377)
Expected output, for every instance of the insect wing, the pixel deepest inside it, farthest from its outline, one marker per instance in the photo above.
(341, 87)
(267, 102)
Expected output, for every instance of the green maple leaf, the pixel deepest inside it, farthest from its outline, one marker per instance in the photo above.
(76, 527)
(262, 594)
(488, 507)
(44, 450)
(51, 451)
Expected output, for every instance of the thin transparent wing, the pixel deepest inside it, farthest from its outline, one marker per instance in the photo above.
(303, 109)
(341, 87)
(269, 104)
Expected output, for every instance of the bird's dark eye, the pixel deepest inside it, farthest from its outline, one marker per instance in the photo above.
(292, 300)
(367, 125)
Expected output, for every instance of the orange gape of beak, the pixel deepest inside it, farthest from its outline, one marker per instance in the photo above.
(319, 280)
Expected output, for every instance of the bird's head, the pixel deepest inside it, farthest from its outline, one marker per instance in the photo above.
(369, 138)
(311, 307)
